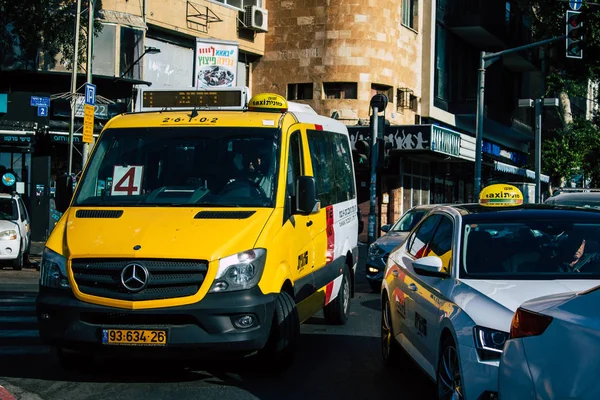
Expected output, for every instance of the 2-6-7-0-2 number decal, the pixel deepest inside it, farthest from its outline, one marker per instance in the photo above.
(127, 180)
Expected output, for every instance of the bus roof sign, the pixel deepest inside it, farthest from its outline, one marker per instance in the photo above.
(231, 98)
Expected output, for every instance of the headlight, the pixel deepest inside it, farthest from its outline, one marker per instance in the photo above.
(10, 234)
(375, 250)
(489, 342)
(53, 270)
(240, 271)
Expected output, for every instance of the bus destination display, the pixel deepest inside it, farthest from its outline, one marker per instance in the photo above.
(191, 99)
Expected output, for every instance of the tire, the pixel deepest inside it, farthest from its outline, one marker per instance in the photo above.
(390, 349)
(375, 286)
(73, 361)
(337, 312)
(448, 376)
(280, 349)
(17, 263)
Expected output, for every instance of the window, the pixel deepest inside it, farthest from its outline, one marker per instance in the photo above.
(340, 90)
(382, 89)
(131, 50)
(419, 240)
(240, 4)
(294, 169)
(300, 91)
(104, 52)
(404, 98)
(442, 77)
(332, 167)
(441, 244)
(410, 13)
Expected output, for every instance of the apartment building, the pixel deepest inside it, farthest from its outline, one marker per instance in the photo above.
(423, 54)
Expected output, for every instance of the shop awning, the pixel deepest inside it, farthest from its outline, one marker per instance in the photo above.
(511, 169)
(116, 17)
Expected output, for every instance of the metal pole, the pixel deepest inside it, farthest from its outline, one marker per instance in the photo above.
(373, 187)
(479, 124)
(74, 85)
(538, 148)
(90, 46)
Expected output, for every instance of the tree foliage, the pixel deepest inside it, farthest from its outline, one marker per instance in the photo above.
(574, 148)
(36, 28)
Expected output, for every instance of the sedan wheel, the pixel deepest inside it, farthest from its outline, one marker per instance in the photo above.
(449, 380)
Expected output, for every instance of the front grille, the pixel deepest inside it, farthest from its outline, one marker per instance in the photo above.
(167, 279)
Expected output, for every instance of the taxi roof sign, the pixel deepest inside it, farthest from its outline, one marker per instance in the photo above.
(501, 195)
(268, 102)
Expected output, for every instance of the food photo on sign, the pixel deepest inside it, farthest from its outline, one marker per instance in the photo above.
(216, 64)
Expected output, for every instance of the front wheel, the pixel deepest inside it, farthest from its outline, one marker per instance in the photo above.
(390, 349)
(449, 379)
(281, 347)
(337, 312)
(17, 263)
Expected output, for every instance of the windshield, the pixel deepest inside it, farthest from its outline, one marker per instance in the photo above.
(408, 221)
(219, 167)
(551, 249)
(8, 209)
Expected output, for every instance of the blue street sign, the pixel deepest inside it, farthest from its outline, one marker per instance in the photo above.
(575, 4)
(36, 101)
(90, 94)
(42, 111)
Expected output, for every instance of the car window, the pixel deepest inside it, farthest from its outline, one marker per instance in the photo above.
(566, 248)
(441, 243)
(408, 221)
(421, 237)
(22, 211)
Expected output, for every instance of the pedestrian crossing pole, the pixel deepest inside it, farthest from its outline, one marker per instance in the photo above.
(378, 104)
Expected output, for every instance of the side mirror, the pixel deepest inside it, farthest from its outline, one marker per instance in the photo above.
(429, 266)
(64, 192)
(306, 195)
(386, 228)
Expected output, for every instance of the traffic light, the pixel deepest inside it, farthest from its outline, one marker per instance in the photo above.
(574, 34)
(361, 154)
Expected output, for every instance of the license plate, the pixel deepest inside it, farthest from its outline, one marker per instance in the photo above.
(134, 337)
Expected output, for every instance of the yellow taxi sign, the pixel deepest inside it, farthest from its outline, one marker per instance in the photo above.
(501, 195)
(269, 102)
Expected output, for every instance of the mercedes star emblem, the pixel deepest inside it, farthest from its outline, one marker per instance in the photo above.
(134, 277)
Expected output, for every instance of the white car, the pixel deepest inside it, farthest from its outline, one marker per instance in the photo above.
(451, 289)
(15, 231)
(554, 349)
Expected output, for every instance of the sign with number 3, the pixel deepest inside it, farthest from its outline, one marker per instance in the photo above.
(127, 180)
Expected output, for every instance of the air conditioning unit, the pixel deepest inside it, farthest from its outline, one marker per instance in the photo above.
(255, 18)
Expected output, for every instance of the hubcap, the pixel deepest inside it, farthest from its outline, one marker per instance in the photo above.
(449, 379)
(386, 331)
(345, 293)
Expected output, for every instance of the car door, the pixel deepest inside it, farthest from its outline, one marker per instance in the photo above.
(405, 280)
(430, 292)
(24, 223)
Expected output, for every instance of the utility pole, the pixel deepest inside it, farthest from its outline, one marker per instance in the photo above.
(74, 85)
(90, 47)
(485, 60)
(378, 103)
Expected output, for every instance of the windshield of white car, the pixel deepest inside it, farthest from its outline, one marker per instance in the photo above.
(184, 166)
(8, 209)
(408, 221)
(528, 250)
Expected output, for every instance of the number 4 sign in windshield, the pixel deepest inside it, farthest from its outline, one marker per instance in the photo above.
(127, 180)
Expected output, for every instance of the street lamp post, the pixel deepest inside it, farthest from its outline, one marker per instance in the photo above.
(485, 60)
(538, 104)
(74, 85)
(90, 46)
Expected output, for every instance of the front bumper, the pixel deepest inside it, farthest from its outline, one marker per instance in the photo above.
(204, 328)
(479, 378)
(9, 249)
(375, 266)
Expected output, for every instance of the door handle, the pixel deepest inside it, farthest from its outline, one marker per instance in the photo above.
(395, 272)
(309, 223)
(413, 287)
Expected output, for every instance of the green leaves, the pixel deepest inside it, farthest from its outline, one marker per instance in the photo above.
(36, 28)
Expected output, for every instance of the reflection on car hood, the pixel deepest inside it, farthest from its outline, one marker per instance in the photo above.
(510, 294)
(390, 240)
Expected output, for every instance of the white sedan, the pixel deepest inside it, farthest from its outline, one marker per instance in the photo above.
(554, 349)
(451, 289)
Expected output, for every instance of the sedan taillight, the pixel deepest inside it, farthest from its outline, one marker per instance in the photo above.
(527, 323)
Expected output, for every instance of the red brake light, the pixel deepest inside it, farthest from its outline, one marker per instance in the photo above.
(527, 323)
(318, 127)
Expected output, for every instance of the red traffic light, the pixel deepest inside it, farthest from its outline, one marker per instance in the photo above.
(575, 19)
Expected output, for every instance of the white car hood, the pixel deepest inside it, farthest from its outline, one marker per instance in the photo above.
(511, 294)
